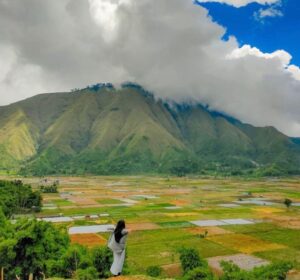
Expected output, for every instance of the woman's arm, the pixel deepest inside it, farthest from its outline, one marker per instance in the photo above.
(111, 229)
(124, 238)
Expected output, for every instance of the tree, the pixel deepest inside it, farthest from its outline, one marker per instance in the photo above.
(89, 273)
(287, 202)
(17, 197)
(76, 257)
(276, 271)
(30, 246)
(190, 259)
(102, 259)
(199, 273)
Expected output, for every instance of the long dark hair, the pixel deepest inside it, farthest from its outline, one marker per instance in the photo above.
(118, 231)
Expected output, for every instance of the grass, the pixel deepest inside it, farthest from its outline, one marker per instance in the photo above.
(271, 233)
(244, 243)
(162, 247)
(177, 224)
(286, 254)
(62, 202)
(109, 201)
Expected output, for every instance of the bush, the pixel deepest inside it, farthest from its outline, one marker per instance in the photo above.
(102, 259)
(154, 271)
(287, 202)
(190, 259)
(89, 273)
(276, 271)
(232, 272)
(199, 273)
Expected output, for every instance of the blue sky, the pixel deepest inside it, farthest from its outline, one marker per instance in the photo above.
(268, 34)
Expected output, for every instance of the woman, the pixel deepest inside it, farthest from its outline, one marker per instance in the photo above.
(117, 243)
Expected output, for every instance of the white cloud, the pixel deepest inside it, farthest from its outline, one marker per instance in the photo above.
(295, 71)
(171, 47)
(246, 50)
(269, 12)
(18, 78)
(105, 14)
(272, 11)
(283, 57)
(240, 3)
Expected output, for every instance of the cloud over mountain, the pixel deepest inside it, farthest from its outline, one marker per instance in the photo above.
(171, 47)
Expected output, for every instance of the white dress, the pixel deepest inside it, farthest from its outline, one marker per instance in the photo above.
(118, 250)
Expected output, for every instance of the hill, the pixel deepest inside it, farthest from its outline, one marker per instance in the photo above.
(103, 130)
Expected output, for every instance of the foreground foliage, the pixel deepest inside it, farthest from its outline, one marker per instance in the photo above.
(37, 248)
(196, 268)
(17, 197)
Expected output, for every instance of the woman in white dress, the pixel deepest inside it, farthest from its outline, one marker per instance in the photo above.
(117, 244)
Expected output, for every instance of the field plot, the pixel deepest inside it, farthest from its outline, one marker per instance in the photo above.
(89, 240)
(222, 218)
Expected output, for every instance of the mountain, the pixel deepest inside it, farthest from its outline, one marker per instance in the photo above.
(103, 130)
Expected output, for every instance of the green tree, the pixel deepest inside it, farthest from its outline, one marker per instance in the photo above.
(31, 245)
(89, 273)
(276, 271)
(102, 259)
(17, 197)
(287, 202)
(199, 273)
(190, 259)
(76, 257)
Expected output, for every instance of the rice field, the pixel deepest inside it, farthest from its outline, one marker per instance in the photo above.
(222, 218)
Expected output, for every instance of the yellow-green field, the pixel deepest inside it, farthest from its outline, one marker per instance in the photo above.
(159, 211)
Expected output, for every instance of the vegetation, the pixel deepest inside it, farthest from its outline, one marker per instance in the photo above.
(287, 202)
(53, 188)
(30, 246)
(276, 271)
(196, 268)
(198, 273)
(17, 197)
(190, 259)
(37, 248)
(154, 271)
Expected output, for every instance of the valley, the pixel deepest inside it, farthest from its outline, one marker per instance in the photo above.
(233, 219)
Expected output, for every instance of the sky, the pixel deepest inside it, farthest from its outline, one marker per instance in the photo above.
(269, 28)
(238, 57)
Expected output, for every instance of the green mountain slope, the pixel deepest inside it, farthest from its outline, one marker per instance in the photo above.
(106, 131)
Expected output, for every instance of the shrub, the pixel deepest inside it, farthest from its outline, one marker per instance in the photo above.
(74, 259)
(102, 259)
(287, 202)
(232, 272)
(89, 273)
(154, 271)
(190, 259)
(276, 271)
(199, 273)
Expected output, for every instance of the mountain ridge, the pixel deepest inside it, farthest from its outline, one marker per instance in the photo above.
(104, 130)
